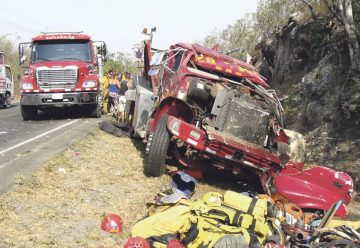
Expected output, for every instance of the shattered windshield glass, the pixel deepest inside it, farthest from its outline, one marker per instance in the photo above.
(61, 50)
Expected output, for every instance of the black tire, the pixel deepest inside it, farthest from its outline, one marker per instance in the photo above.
(231, 241)
(28, 112)
(154, 164)
(96, 109)
(7, 103)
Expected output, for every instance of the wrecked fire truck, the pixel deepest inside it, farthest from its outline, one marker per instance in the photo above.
(209, 111)
(63, 71)
(6, 83)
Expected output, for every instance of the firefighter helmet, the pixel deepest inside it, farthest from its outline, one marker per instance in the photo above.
(112, 223)
(136, 242)
(212, 199)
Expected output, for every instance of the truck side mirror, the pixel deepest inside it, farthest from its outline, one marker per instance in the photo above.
(138, 54)
(24, 48)
(101, 49)
(21, 54)
(23, 59)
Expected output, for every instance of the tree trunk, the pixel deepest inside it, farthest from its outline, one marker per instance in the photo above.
(346, 14)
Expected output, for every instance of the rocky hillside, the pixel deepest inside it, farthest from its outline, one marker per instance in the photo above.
(308, 62)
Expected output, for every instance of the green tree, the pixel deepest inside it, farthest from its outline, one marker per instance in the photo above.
(271, 15)
(120, 63)
(237, 39)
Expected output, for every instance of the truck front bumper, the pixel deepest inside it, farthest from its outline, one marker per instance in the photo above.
(59, 99)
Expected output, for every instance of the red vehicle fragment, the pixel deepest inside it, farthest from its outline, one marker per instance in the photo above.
(315, 188)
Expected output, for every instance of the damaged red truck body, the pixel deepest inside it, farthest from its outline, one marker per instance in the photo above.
(208, 110)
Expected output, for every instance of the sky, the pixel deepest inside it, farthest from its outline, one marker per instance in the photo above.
(119, 22)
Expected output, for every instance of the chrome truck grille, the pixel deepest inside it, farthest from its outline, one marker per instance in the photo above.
(59, 78)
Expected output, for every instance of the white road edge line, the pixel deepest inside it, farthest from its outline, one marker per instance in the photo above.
(38, 137)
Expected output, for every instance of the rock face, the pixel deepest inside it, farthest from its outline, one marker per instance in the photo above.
(308, 63)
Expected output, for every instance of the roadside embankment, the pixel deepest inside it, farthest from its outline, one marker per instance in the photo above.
(63, 202)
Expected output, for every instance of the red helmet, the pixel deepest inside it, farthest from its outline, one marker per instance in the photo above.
(136, 242)
(273, 245)
(112, 223)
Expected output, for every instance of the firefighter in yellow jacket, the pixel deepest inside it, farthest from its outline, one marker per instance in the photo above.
(105, 90)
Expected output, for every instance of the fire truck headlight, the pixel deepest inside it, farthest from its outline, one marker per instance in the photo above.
(175, 126)
(26, 86)
(89, 84)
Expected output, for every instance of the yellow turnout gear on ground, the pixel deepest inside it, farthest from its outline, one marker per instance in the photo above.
(202, 223)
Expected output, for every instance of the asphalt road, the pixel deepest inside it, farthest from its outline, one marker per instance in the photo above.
(25, 145)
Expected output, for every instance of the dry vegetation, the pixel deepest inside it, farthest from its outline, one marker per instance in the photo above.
(63, 202)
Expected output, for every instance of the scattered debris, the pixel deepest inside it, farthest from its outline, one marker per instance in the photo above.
(62, 170)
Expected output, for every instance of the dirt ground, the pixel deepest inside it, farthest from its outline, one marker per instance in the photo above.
(63, 202)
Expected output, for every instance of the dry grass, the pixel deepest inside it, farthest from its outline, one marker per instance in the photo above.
(63, 202)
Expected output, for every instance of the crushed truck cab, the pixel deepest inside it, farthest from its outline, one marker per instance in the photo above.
(64, 71)
(210, 111)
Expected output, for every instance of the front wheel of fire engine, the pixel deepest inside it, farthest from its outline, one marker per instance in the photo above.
(28, 112)
(154, 164)
(96, 109)
(7, 103)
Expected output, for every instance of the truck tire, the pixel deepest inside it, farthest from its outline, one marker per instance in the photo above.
(231, 241)
(7, 103)
(96, 109)
(154, 164)
(28, 112)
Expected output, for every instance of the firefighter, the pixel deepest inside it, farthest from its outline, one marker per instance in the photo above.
(105, 90)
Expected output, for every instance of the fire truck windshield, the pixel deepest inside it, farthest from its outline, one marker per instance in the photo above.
(56, 50)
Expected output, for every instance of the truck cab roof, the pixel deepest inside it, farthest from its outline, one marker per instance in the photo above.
(223, 64)
(61, 36)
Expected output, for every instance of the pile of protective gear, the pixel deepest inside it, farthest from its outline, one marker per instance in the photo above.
(214, 220)
(234, 220)
(217, 220)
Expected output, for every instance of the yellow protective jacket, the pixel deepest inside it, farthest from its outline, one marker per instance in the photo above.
(202, 223)
(105, 85)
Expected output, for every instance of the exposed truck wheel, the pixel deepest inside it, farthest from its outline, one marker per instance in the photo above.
(231, 241)
(7, 102)
(96, 109)
(154, 164)
(28, 112)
